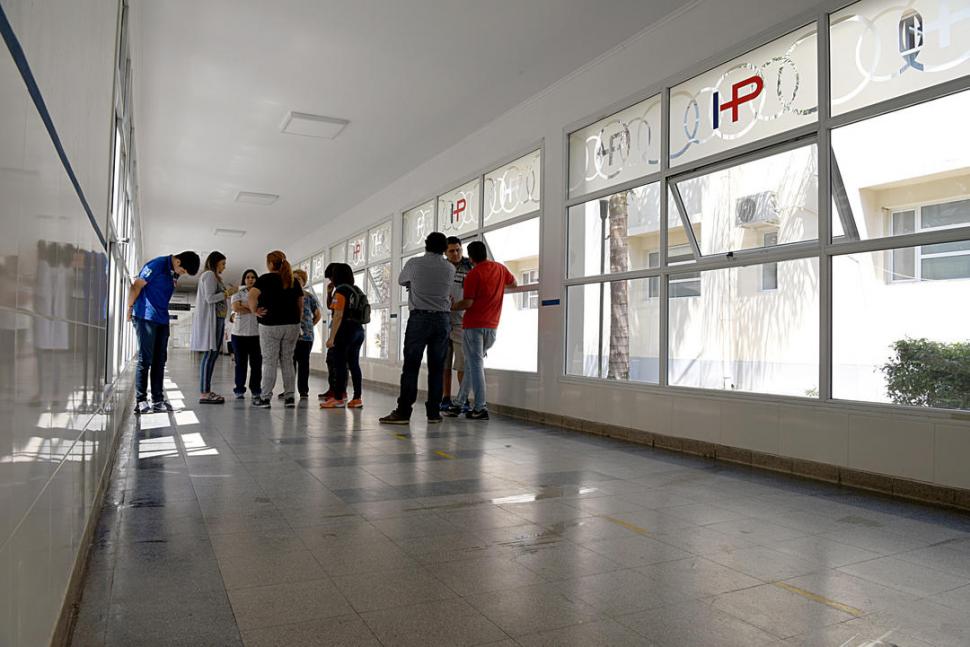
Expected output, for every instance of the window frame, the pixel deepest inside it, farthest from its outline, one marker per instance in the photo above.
(917, 209)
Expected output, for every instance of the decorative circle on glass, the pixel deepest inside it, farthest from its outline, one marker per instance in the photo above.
(317, 267)
(380, 242)
(418, 223)
(514, 189)
(882, 49)
(765, 92)
(357, 251)
(621, 147)
(458, 210)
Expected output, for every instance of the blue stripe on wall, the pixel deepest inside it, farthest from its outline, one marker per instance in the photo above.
(17, 52)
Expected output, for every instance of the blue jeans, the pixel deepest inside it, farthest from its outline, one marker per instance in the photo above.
(429, 330)
(475, 343)
(152, 353)
(210, 356)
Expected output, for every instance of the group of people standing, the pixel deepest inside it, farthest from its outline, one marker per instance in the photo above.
(455, 304)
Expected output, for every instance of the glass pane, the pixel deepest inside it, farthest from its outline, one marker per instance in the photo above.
(458, 210)
(739, 205)
(380, 242)
(517, 342)
(404, 290)
(735, 337)
(378, 333)
(357, 251)
(320, 336)
(418, 223)
(359, 281)
(882, 173)
(884, 48)
(338, 253)
(904, 222)
(678, 244)
(379, 284)
(765, 92)
(949, 214)
(514, 189)
(614, 234)
(517, 247)
(619, 148)
(629, 330)
(318, 267)
(402, 324)
(904, 264)
(899, 343)
(945, 248)
(945, 267)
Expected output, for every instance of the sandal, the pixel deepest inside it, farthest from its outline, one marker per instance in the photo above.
(212, 398)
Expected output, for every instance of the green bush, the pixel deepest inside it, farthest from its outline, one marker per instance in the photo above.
(926, 373)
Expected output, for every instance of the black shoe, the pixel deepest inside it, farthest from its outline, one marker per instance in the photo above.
(261, 403)
(395, 418)
(162, 406)
(477, 415)
(323, 397)
(452, 411)
(281, 396)
(433, 420)
(142, 407)
(289, 402)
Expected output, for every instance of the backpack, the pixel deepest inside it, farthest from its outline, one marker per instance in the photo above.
(358, 308)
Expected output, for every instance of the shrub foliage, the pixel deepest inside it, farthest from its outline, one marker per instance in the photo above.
(927, 373)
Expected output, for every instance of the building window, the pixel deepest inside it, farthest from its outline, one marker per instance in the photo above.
(681, 285)
(529, 300)
(769, 271)
(938, 262)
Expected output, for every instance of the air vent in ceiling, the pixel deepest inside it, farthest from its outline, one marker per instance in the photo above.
(229, 233)
(302, 123)
(256, 198)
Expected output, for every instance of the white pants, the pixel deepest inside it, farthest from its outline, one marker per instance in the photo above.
(277, 344)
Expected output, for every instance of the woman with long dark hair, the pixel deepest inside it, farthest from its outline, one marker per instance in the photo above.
(209, 323)
(245, 340)
(277, 301)
(346, 338)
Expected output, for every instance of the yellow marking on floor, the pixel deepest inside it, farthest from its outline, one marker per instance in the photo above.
(821, 599)
(443, 454)
(401, 437)
(628, 525)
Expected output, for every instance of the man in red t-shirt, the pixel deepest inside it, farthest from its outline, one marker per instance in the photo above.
(484, 292)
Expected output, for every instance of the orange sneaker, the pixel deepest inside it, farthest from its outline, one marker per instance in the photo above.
(356, 403)
(333, 404)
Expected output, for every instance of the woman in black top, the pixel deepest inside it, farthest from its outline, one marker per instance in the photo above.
(346, 338)
(277, 301)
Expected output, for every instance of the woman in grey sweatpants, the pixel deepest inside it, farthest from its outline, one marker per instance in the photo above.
(277, 300)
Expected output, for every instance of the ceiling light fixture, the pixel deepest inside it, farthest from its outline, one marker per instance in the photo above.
(229, 233)
(256, 198)
(302, 123)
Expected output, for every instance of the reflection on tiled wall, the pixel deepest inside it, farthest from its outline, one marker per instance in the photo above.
(56, 421)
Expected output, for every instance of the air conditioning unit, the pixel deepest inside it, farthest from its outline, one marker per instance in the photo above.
(757, 210)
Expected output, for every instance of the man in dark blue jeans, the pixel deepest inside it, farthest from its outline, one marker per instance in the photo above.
(428, 280)
(148, 308)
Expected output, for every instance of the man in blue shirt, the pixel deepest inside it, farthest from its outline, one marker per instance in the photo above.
(148, 308)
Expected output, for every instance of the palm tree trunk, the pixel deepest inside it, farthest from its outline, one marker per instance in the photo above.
(619, 363)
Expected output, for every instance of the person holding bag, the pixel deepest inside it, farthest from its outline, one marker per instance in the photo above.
(350, 312)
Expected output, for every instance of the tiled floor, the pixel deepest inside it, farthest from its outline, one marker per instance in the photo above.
(229, 525)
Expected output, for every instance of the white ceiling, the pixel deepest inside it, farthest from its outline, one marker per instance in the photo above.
(214, 81)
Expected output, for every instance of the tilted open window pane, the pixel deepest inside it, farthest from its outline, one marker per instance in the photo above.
(377, 333)
(883, 179)
(357, 251)
(613, 331)
(736, 207)
(513, 190)
(379, 247)
(517, 247)
(458, 210)
(338, 253)
(516, 343)
(418, 223)
(736, 336)
(614, 234)
(619, 148)
(884, 48)
(765, 92)
(379, 284)
(901, 342)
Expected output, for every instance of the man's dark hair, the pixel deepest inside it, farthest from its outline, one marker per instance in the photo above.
(454, 240)
(190, 262)
(436, 243)
(477, 251)
(341, 274)
(213, 259)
